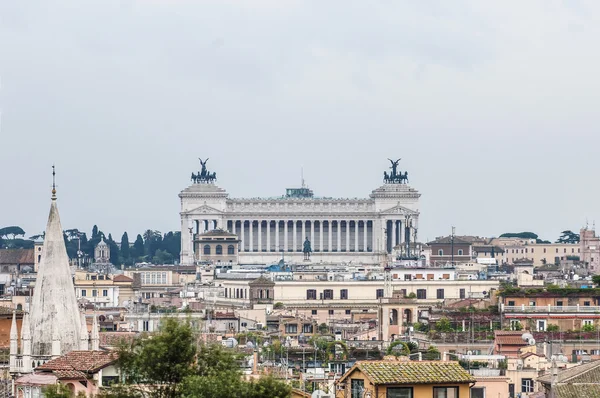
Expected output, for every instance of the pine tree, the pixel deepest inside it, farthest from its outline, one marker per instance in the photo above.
(114, 250)
(138, 247)
(125, 254)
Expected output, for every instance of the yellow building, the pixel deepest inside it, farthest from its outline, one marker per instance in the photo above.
(392, 378)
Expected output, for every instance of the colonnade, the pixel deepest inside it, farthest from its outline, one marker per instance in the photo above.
(289, 235)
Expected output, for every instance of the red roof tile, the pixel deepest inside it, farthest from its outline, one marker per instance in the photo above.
(16, 256)
(84, 361)
(122, 278)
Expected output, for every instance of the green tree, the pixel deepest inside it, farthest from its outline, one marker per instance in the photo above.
(162, 257)
(138, 247)
(13, 231)
(520, 235)
(596, 280)
(568, 236)
(125, 254)
(162, 361)
(60, 391)
(114, 250)
(443, 325)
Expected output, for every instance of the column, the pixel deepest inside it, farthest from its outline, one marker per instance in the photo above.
(243, 237)
(233, 226)
(347, 235)
(268, 248)
(312, 234)
(303, 233)
(259, 236)
(365, 243)
(339, 235)
(393, 232)
(251, 247)
(321, 235)
(277, 242)
(401, 232)
(285, 235)
(356, 235)
(329, 241)
(295, 236)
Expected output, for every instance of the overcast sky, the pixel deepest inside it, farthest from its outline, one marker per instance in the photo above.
(492, 106)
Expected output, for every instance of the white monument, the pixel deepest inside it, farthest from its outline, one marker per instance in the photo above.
(339, 230)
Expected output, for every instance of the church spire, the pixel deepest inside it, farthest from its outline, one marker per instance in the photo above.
(95, 334)
(54, 294)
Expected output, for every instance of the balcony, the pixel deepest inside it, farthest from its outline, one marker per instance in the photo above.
(485, 372)
(550, 309)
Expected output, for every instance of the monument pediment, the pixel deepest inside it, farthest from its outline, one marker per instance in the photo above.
(399, 210)
(204, 209)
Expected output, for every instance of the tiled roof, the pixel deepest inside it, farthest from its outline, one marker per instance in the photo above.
(414, 372)
(122, 278)
(16, 256)
(69, 374)
(85, 361)
(446, 240)
(509, 338)
(112, 339)
(589, 372)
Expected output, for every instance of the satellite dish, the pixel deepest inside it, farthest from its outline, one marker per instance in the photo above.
(318, 394)
(249, 345)
(526, 336)
(531, 341)
(469, 352)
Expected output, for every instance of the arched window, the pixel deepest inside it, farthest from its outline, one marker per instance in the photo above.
(460, 252)
(19, 307)
(219, 249)
(206, 249)
(230, 249)
(440, 252)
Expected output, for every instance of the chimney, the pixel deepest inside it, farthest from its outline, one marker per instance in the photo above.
(255, 363)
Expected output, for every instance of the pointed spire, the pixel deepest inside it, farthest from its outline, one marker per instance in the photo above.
(14, 333)
(54, 298)
(53, 183)
(84, 335)
(26, 328)
(26, 343)
(95, 334)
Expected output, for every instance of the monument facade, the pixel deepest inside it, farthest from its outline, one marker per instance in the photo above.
(338, 229)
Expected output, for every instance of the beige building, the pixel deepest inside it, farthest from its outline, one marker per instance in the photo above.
(156, 281)
(512, 250)
(105, 290)
(217, 246)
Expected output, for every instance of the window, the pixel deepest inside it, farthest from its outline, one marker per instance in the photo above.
(307, 328)
(421, 294)
(460, 252)
(206, 249)
(430, 277)
(105, 293)
(511, 303)
(348, 312)
(344, 294)
(586, 303)
(445, 392)
(379, 293)
(588, 322)
(230, 249)
(440, 252)
(532, 303)
(145, 326)
(94, 293)
(219, 249)
(445, 276)
(83, 293)
(544, 250)
(462, 293)
(541, 326)
(440, 294)
(477, 392)
(328, 294)
(330, 312)
(407, 277)
(532, 249)
(313, 312)
(311, 294)
(559, 303)
(291, 328)
(526, 385)
(400, 392)
(357, 388)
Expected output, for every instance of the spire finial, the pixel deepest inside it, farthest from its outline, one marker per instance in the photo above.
(53, 183)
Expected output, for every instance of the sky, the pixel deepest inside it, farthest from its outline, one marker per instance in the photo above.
(492, 106)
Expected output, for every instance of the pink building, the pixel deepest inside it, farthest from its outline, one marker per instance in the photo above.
(590, 249)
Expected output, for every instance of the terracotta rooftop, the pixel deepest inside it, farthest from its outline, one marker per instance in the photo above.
(83, 361)
(122, 278)
(112, 339)
(16, 256)
(509, 338)
(413, 372)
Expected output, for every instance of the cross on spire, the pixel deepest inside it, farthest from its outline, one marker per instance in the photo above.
(53, 183)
